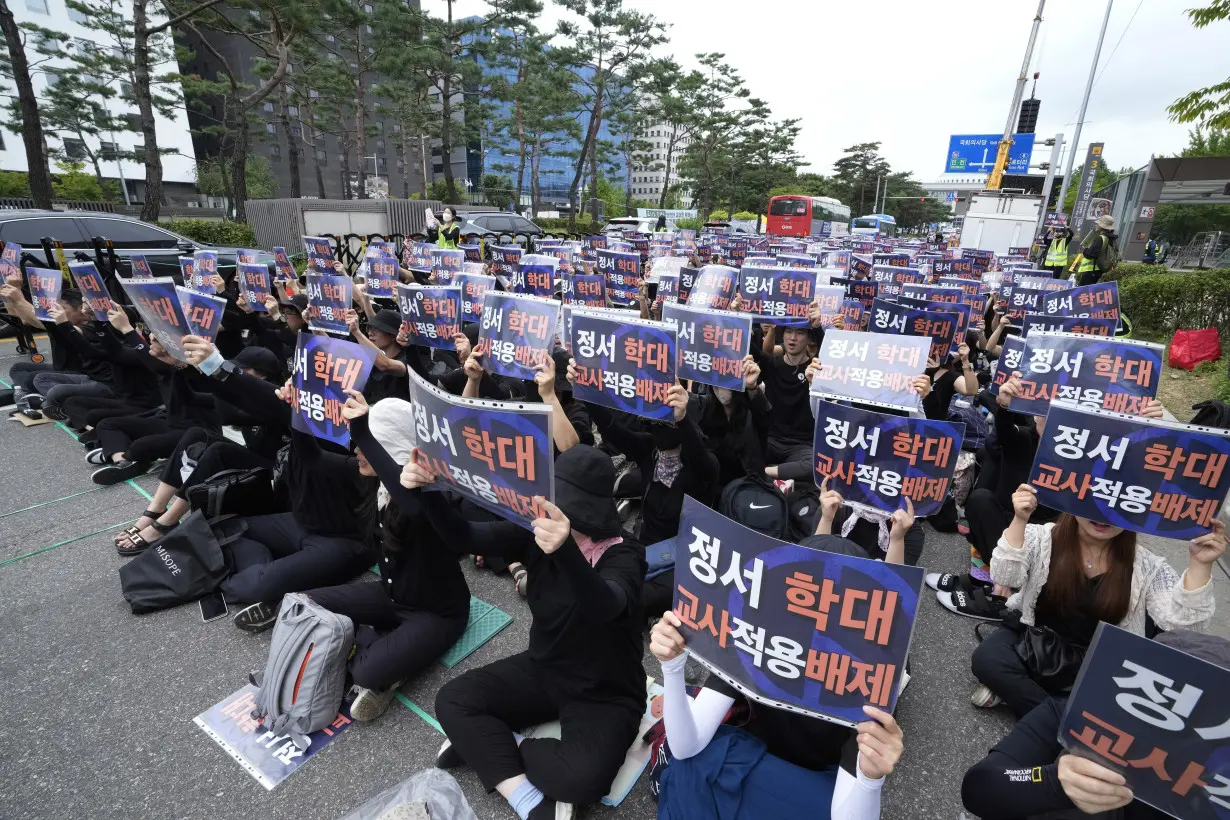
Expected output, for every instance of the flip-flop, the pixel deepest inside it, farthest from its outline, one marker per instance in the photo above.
(975, 603)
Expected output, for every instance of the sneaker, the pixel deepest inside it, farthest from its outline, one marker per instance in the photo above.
(984, 698)
(256, 617)
(55, 412)
(96, 456)
(370, 704)
(549, 809)
(121, 470)
(448, 757)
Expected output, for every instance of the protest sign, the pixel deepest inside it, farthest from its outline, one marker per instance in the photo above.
(624, 363)
(10, 260)
(473, 253)
(1158, 717)
(977, 305)
(381, 274)
(1068, 324)
(668, 291)
(1146, 475)
(203, 312)
(204, 269)
(534, 275)
(860, 266)
(447, 259)
(1012, 351)
(246, 256)
(324, 369)
(141, 268)
(898, 260)
(622, 272)
(193, 279)
(712, 344)
(835, 259)
(45, 285)
(796, 260)
(687, 281)
(563, 256)
(756, 611)
(967, 287)
(852, 314)
(1041, 283)
(864, 291)
(873, 459)
(1100, 301)
(714, 287)
(1110, 374)
(158, 303)
(830, 300)
(474, 287)
(871, 368)
(430, 315)
(270, 757)
(497, 454)
(962, 268)
(93, 288)
(254, 284)
(584, 290)
(1022, 301)
(887, 317)
(778, 295)
(516, 333)
(282, 264)
(932, 293)
(595, 242)
(892, 279)
(319, 250)
(417, 255)
(737, 251)
(329, 297)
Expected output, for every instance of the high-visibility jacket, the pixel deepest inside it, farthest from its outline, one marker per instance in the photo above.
(1057, 253)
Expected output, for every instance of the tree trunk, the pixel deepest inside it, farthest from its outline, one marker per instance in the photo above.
(520, 125)
(320, 177)
(446, 111)
(405, 162)
(360, 125)
(93, 157)
(239, 167)
(535, 191)
(666, 181)
(423, 165)
(292, 145)
(31, 123)
(145, 106)
(347, 189)
(591, 133)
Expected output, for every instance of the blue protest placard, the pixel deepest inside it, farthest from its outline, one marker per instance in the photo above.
(711, 344)
(474, 287)
(932, 293)
(714, 287)
(829, 299)
(270, 757)
(1022, 301)
(329, 297)
(204, 269)
(863, 291)
(898, 260)
(584, 290)
(324, 370)
(687, 280)
(516, 333)
(319, 251)
(871, 368)
(962, 268)
(497, 454)
(835, 259)
(1100, 301)
(203, 312)
(282, 264)
(140, 267)
(892, 279)
(381, 274)
(563, 256)
(1157, 716)
(416, 255)
(941, 328)
(534, 275)
(158, 303)
(624, 363)
(796, 260)
(852, 314)
(447, 259)
(623, 274)
(874, 460)
(504, 259)
(778, 295)
(595, 242)
(430, 315)
(92, 286)
(668, 291)
(968, 287)
(473, 253)
(254, 284)
(1068, 324)
(1150, 476)
(811, 632)
(1109, 374)
(1012, 351)
(45, 285)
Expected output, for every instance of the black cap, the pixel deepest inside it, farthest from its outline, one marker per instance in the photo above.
(471, 329)
(387, 320)
(585, 490)
(260, 359)
(297, 302)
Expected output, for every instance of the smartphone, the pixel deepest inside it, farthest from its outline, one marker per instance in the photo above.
(653, 291)
(213, 607)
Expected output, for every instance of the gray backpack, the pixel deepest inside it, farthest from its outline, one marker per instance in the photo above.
(304, 680)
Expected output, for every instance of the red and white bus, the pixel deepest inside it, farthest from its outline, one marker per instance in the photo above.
(798, 215)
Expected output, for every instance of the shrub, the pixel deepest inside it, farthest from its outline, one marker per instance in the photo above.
(234, 234)
(689, 224)
(583, 226)
(1160, 303)
(1126, 270)
(719, 216)
(745, 216)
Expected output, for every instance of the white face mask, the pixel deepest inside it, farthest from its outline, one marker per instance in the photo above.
(447, 217)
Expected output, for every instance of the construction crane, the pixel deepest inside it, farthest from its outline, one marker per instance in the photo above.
(1005, 144)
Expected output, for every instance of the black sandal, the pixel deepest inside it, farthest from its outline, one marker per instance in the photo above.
(138, 545)
(133, 531)
(975, 603)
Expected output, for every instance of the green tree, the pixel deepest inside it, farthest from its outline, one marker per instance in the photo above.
(498, 191)
(15, 66)
(1101, 178)
(213, 177)
(518, 47)
(73, 183)
(15, 184)
(1179, 224)
(1209, 106)
(856, 175)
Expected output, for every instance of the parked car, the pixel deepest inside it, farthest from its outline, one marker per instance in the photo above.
(497, 222)
(640, 224)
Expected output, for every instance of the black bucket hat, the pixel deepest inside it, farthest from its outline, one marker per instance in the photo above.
(387, 320)
(298, 302)
(585, 491)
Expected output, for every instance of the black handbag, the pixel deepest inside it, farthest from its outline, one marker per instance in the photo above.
(1051, 660)
(182, 566)
(236, 492)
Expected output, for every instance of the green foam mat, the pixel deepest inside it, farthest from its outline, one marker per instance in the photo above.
(486, 621)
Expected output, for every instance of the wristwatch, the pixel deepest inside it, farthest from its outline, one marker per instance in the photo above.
(225, 371)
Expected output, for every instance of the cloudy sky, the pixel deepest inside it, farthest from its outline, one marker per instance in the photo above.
(910, 73)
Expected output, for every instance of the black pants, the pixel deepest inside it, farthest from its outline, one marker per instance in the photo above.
(139, 438)
(276, 556)
(394, 642)
(88, 411)
(987, 521)
(794, 459)
(867, 535)
(997, 664)
(481, 709)
(219, 454)
(658, 594)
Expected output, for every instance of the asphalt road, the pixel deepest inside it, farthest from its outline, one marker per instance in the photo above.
(98, 703)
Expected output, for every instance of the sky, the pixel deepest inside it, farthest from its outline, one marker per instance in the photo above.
(909, 74)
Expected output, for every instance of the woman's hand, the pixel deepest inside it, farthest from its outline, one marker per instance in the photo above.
(963, 352)
(1207, 548)
(751, 372)
(677, 398)
(413, 475)
(461, 343)
(1091, 786)
(1009, 390)
(544, 378)
(272, 308)
(901, 520)
(551, 532)
(473, 368)
(665, 640)
(196, 349)
(355, 406)
(880, 744)
(218, 282)
(352, 320)
(242, 302)
(119, 320)
(572, 370)
(1024, 502)
(286, 393)
(922, 386)
(1152, 409)
(830, 501)
(813, 367)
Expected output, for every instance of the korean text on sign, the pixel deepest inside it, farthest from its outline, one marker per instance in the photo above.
(329, 297)
(431, 316)
(871, 368)
(781, 296)
(516, 333)
(1111, 374)
(711, 344)
(626, 364)
(158, 303)
(324, 369)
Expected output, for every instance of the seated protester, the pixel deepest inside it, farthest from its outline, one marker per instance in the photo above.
(583, 665)
(280, 326)
(736, 426)
(202, 454)
(780, 764)
(127, 445)
(421, 604)
(996, 328)
(389, 377)
(791, 425)
(947, 380)
(1070, 575)
(1060, 785)
(327, 536)
(487, 385)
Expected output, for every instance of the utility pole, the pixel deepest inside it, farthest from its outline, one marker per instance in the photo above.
(1005, 144)
(1056, 153)
(1080, 118)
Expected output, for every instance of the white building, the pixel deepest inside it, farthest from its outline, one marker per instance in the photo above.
(178, 167)
(648, 180)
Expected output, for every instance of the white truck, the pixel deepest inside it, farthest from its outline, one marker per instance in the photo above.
(998, 221)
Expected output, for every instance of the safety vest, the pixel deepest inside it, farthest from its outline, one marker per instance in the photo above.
(1151, 248)
(1057, 254)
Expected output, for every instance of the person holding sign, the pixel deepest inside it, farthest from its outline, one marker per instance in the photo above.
(1070, 575)
(778, 764)
(445, 236)
(583, 665)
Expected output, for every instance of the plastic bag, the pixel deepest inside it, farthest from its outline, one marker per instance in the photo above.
(1191, 347)
(436, 788)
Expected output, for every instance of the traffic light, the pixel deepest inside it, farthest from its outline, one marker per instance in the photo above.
(1028, 119)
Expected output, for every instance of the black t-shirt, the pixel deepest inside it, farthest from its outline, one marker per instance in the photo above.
(808, 742)
(418, 568)
(786, 388)
(1076, 626)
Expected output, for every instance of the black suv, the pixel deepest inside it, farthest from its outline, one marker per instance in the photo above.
(497, 222)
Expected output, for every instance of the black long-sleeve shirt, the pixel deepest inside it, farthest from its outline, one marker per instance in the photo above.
(786, 388)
